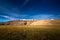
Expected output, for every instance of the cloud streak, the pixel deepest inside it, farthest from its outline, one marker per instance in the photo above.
(26, 1)
(8, 17)
(14, 12)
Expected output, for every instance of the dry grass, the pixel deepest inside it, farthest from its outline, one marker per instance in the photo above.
(30, 32)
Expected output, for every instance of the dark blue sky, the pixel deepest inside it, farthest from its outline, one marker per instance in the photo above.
(29, 9)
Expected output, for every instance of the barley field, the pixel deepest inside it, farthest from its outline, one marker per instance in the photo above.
(42, 32)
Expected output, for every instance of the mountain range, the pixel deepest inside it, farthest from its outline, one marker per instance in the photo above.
(32, 22)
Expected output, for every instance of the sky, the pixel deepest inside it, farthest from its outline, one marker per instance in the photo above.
(29, 9)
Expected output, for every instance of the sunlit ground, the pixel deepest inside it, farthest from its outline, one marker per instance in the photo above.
(41, 32)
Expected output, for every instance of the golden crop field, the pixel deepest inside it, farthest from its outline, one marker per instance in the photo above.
(45, 32)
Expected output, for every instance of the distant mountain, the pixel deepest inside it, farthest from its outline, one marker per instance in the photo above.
(17, 22)
(32, 22)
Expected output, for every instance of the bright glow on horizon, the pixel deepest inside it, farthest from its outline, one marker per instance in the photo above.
(52, 19)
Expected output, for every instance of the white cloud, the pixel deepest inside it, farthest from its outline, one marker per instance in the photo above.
(8, 17)
(51, 19)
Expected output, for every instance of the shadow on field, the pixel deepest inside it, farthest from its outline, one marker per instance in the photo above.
(28, 34)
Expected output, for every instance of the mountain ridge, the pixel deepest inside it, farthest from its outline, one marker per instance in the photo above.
(32, 22)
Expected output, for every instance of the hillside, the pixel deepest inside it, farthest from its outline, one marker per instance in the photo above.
(17, 22)
(46, 22)
(32, 22)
